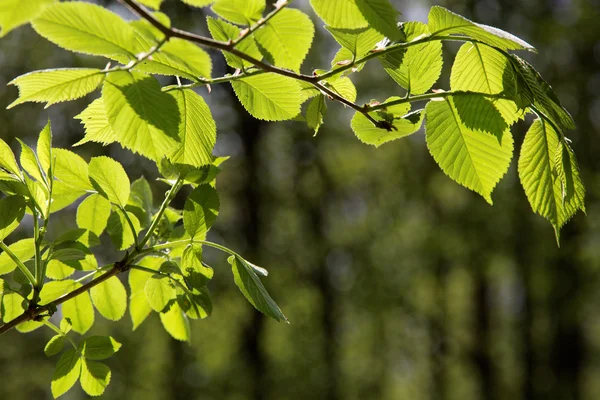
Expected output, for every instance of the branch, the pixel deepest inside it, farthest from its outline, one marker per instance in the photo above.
(428, 96)
(33, 314)
(280, 5)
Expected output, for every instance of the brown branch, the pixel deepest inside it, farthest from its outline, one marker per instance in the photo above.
(34, 313)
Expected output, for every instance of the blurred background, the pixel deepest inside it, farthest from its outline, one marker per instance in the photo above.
(398, 282)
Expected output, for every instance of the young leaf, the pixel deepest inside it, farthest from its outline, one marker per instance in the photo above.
(473, 159)
(139, 309)
(140, 201)
(253, 290)
(480, 68)
(44, 149)
(196, 273)
(56, 85)
(541, 176)
(7, 159)
(382, 16)
(343, 14)
(180, 58)
(241, 12)
(93, 213)
(144, 119)
(200, 210)
(119, 230)
(24, 249)
(479, 113)
(544, 97)
(72, 170)
(402, 124)
(95, 122)
(197, 130)
(445, 22)
(317, 108)
(58, 270)
(12, 210)
(417, 68)
(29, 162)
(66, 373)
(286, 38)
(99, 347)
(55, 345)
(12, 306)
(358, 42)
(86, 28)
(343, 86)
(64, 195)
(159, 292)
(110, 298)
(95, 377)
(269, 96)
(176, 323)
(223, 31)
(110, 179)
(14, 13)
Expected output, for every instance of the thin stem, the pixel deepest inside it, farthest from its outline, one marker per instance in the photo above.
(131, 227)
(61, 333)
(428, 96)
(170, 195)
(280, 5)
(19, 263)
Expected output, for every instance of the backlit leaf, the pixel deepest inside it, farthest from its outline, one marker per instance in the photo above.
(66, 373)
(93, 213)
(200, 210)
(110, 298)
(241, 12)
(95, 377)
(12, 210)
(95, 122)
(223, 31)
(110, 179)
(14, 13)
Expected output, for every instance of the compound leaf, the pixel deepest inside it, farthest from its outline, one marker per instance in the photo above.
(66, 373)
(95, 377)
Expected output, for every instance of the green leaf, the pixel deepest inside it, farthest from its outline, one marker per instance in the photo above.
(144, 119)
(72, 170)
(29, 162)
(58, 270)
(286, 38)
(196, 273)
(417, 68)
(110, 179)
(66, 373)
(110, 298)
(99, 347)
(444, 22)
(12, 210)
(269, 97)
(56, 85)
(196, 304)
(480, 68)
(64, 195)
(139, 308)
(152, 4)
(197, 130)
(95, 377)
(382, 16)
(86, 28)
(253, 290)
(343, 86)
(44, 149)
(160, 291)
(200, 210)
(353, 14)
(7, 159)
(543, 178)
(179, 58)
(55, 345)
(140, 201)
(14, 13)
(12, 306)
(93, 213)
(38, 194)
(176, 323)
(402, 124)
(24, 249)
(119, 230)
(317, 108)
(223, 31)
(543, 95)
(199, 3)
(95, 122)
(479, 114)
(69, 254)
(241, 12)
(79, 309)
(473, 159)
(358, 42)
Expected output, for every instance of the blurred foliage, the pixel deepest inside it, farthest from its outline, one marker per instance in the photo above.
(398, 283)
